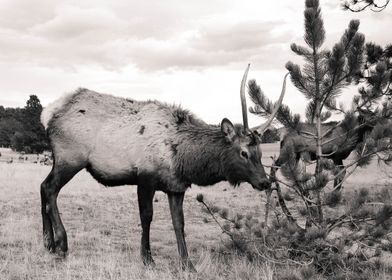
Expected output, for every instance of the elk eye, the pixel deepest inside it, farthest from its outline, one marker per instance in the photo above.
(244, 154)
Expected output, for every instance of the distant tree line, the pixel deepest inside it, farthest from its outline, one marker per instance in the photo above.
(21, 129)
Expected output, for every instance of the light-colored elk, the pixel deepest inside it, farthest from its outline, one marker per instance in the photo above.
(145, 143)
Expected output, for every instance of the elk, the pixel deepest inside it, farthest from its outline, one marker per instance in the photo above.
(150, 144)
(338, 141)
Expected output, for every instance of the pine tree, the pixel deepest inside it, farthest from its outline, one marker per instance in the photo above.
(321, 79)
(324, 73)
(35, 136)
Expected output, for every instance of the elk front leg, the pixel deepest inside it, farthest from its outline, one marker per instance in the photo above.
(175, 202)
(338, 182)
(145, 195)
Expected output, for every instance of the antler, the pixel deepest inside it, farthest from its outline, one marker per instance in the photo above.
(260, 129)
(243, 99)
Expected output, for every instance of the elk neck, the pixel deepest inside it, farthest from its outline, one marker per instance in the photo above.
(362, 131)
(199, 153)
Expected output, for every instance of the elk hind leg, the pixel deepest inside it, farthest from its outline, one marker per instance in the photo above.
(47, 227)
(145, 193)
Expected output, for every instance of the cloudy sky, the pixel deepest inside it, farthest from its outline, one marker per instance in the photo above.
(191, 53)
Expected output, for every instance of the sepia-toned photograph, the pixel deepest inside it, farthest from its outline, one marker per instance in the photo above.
(197, 140)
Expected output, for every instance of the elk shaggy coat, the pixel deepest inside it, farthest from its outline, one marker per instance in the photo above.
(127, 138)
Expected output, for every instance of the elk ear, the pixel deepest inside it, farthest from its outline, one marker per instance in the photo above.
(227, 129)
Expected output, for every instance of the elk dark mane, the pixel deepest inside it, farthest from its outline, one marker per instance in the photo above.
(197, 158)
(200, 160)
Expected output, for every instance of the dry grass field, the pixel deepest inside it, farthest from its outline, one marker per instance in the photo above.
(104, 230)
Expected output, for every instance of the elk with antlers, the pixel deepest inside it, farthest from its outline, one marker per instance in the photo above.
(145, 143)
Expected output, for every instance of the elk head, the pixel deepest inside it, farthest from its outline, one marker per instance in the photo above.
(243, 162)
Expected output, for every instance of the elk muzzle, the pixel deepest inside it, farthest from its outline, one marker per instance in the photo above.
(262, 185)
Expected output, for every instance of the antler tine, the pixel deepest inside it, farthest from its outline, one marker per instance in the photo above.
(260, 129)
(243, 99)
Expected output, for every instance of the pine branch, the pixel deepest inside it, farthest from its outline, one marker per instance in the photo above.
(264, 107)
(300, 50)
(344, 134)
(306, 200)
(337, 187)
(314, 26)
(310, 111)
(298, 80)
(281, 200)
(357, 6)
(342, 221)
(347, 166)
(290, 171)
(215, 219)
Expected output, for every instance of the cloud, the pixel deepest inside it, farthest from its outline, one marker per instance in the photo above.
(19, 15)
(88, 25)
(231, 37)
(154, 36)
(218, 44)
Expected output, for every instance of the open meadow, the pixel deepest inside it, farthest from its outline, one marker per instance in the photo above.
(104, 230)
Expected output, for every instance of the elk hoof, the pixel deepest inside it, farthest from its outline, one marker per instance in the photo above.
(60, 253)
(49, 245)
(148, 261)
(188, 266)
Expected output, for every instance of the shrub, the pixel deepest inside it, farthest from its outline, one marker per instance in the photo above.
(332, 199)
(312, 249)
